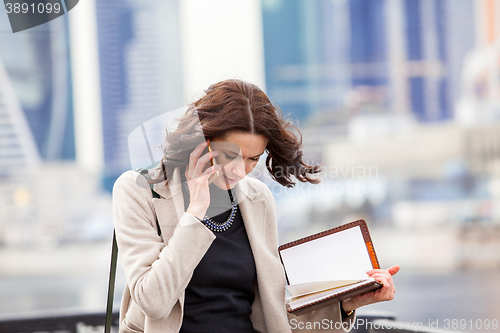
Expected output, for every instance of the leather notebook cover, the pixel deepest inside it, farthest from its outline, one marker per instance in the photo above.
(329, 266)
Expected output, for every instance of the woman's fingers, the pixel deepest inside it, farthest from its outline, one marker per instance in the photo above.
(212, 169)
(382, 279)
(197, 163)
(391, 270)
(195, 154)
(385, 293)
(388, 290)
(202, 161)
(197, 179)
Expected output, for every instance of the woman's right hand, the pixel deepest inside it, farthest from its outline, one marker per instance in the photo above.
(197, 180)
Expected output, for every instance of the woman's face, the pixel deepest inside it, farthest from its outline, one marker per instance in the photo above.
(239, 153)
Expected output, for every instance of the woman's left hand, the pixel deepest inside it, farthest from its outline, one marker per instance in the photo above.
(385, 293)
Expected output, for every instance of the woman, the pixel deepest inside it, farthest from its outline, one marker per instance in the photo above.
(203, 256)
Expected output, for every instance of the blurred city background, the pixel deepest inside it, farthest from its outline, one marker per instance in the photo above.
(399, 99)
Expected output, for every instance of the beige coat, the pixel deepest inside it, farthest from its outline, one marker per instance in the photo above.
(158, 269)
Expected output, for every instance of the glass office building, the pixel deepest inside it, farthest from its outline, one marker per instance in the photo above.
(408, 52)
(37, 67)
(140, 69)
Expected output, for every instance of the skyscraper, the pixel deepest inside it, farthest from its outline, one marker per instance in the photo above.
(140, 68)
(18, 149)
(36, 63)
(317, 52)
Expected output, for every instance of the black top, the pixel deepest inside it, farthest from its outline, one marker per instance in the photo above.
(219, 296)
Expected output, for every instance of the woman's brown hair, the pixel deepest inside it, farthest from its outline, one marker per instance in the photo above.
(235, 105)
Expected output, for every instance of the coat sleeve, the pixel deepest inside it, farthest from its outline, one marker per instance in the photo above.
(157, 271)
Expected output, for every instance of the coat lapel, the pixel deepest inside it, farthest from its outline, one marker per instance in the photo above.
(170, 207)
(270, 274)
(253, 211)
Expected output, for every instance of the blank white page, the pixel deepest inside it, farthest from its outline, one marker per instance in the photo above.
(339, 256)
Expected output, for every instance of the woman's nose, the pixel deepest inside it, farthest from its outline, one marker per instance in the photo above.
(239, 169)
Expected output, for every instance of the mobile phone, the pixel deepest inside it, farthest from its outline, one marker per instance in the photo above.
(213, 162)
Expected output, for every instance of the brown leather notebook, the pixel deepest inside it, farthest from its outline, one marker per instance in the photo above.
(328, 267)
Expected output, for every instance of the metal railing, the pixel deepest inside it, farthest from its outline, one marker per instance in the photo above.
(78, 323)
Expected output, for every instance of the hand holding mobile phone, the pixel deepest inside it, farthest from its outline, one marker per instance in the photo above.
(213, 162)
